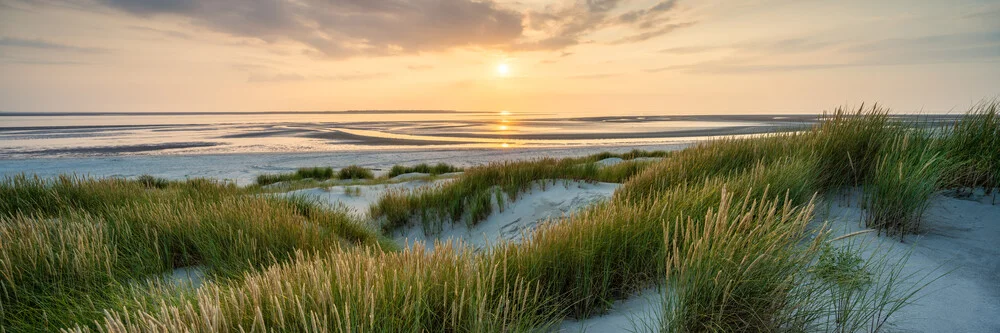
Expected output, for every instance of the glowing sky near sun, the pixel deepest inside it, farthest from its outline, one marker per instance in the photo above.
(571, 57)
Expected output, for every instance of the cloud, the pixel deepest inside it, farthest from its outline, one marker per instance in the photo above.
(989, 13)
(688, 49)
(39, 44)
(349, 28)
(344, 28)
(643, 36)
(164, 33)
(593, 76)
(782, 46)
(287, 77)
(982, 47)
(19, 61)
(931, 42)
(568, 25)
(419, 67)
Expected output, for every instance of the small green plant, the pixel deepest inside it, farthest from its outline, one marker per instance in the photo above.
(354, 172)
(352, 191)
(846, 276)
(318, 173)
(861, 295)
(153, 182)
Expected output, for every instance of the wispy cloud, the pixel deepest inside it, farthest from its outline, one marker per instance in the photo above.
(162, 32)
(4, 59)
(288, 77)
(931, 42)
(570, 25)
(40, 44)
(643, 36)
(593, 76)
(922, 50)
(688, 49)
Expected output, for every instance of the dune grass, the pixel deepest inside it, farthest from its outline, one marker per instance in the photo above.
(721, 223)
(910, 168)
(613, 249)
(71, 236)
(974, 144)
(739, 270)
(355, 172)
(356, 290)
(352, 172)
(317, 173)
(437, 169)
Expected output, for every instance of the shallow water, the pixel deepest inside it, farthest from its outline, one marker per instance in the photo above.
(24, 136)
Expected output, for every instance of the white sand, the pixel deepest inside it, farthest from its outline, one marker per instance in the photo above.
(521, 216)
(635, 314)
(411, 175)
(193, 276)
(359, 203)
(961, 239)
(609, 161)
(647, 159)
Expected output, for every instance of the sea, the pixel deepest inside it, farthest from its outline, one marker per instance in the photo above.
(239, 145)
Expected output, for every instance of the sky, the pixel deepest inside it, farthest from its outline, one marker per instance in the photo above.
(564, 56)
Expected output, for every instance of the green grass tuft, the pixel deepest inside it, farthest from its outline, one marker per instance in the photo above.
(354, 172)
(437, 169)
(909, 169)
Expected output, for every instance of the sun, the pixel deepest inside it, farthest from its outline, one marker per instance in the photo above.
(503, 69)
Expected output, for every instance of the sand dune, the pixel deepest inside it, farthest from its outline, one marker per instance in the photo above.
(957, 248)
(546, 200)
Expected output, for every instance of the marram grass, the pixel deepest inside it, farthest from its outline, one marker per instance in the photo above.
(352, 172)
(68, 242)
(738, 270)
(437, 169)
(359, 290)
(908, 171)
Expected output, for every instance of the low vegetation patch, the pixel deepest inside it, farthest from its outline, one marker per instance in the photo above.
(355, 172)
(437, 169)
(352, 172)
